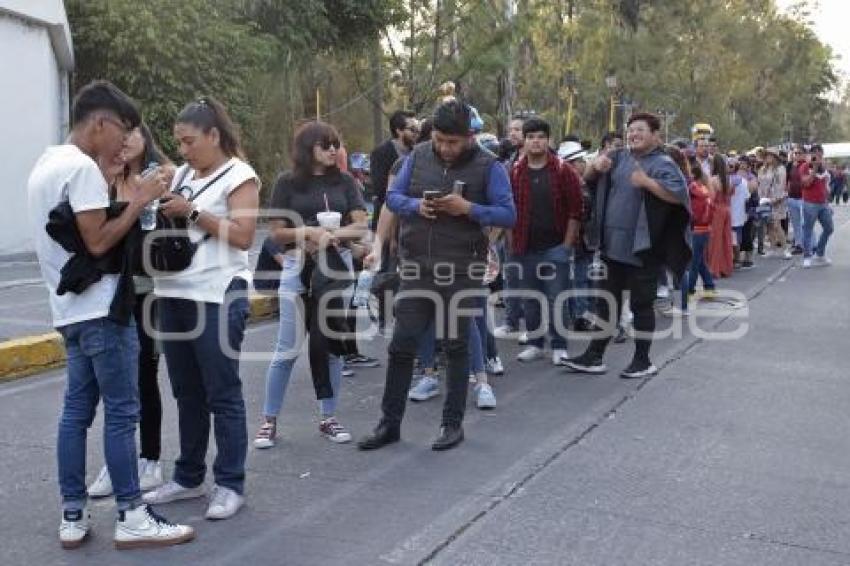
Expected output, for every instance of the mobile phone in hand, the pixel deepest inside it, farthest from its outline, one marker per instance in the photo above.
(431, 194)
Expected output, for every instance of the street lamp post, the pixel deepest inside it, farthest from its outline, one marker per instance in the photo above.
(611, 83)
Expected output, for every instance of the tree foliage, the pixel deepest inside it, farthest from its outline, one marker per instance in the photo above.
(757, 75)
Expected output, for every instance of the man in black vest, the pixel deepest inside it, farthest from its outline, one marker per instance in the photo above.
(447, 191)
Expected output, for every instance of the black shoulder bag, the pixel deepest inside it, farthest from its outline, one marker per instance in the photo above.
(173, 251)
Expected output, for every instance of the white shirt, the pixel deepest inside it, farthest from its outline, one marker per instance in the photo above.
(216, 262)
(738, 206)
(64, 173)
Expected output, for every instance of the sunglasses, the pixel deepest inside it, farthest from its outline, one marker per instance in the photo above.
(327, 145)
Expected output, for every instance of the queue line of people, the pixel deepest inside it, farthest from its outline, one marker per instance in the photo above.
(454, 222)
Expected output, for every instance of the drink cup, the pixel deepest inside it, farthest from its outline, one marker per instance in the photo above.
(329, 220)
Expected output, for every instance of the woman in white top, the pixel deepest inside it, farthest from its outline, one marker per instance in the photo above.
(218, 193)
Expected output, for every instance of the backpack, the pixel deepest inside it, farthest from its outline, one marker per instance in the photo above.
(174, 250)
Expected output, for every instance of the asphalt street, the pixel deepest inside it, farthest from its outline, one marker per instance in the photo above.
(736, 453)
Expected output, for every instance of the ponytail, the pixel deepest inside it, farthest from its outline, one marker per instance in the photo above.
(207, 113)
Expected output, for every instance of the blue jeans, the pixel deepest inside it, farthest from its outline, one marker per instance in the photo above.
(698, 266)
(795, 210)
(205, 381)
(103, 361)
(548, 272)
(812, 213)
(290, 339)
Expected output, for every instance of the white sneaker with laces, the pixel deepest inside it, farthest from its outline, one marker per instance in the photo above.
(530, 354)
(333, 431)
(151, 476)
(74, 528)
(560, 357)
(102, 485)
(484, 397)
(494, 366)
(224, 504)
(172, 491)
(141, 527)
(807, 262)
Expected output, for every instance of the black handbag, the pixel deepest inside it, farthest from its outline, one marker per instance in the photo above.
(173, 251)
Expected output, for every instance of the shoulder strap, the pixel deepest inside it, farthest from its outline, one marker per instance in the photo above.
(210, 184)
(205, 187)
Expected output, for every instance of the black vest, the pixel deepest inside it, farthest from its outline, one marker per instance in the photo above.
(454, 240)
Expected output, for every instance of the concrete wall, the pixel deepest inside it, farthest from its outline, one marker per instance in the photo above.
(34, 68)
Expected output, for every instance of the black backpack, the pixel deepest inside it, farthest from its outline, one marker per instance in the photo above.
(174, 250)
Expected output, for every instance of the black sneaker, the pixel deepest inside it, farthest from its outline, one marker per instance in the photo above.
(361, 361)
(588, 362)
(796, 250)
(746, 265)
(638, 369)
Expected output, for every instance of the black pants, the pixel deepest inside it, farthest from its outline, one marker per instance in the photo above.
(641, 283)
(413, 316)
(150, 404)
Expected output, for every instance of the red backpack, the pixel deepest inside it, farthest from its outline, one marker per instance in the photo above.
(702, 207)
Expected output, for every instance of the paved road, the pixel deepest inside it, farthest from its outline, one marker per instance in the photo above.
(735, 454)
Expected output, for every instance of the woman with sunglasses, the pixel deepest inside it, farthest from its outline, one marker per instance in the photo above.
(203, 309)
(140, 151)
(314, 186)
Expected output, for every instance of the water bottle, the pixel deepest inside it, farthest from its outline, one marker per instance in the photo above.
(363, 289)
(148, 216)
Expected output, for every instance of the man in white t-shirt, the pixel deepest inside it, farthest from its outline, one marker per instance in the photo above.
(102, 354)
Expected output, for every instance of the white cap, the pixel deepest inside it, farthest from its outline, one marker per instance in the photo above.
(571, 151)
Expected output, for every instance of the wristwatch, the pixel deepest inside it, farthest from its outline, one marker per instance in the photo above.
(193, 216)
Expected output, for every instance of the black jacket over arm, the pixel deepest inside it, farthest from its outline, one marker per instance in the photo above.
(83, 269)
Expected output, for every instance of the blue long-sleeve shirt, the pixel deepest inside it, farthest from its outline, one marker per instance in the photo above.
(500, 210)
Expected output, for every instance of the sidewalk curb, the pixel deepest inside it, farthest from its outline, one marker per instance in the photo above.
(30, 355)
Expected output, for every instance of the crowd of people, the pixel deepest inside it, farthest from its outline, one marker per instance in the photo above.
(567, 241)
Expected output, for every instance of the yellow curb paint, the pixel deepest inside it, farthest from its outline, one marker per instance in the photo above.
(33, 354)
(22, 357)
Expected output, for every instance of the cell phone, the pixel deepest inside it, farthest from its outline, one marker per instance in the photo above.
(431, 195)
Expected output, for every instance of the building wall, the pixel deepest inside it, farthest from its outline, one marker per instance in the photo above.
(33, 114)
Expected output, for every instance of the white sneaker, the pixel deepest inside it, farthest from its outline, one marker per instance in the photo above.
(821, 261)
(485, 399)
(807, 262)
(172, 491)
(530, 354)
(102, 485)
(663, 292)
(787, 254)
(523, 339)
(151, 476)
(74, 528)
(425, 388)
(504, 331)
(225, 503)
(494, 366)
(560, 357)
(143, 528)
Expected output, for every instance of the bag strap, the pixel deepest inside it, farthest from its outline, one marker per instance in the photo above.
(205, 187)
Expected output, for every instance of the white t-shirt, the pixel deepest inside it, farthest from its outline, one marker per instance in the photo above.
(738, 206)
(64, 173)
(216, 262)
